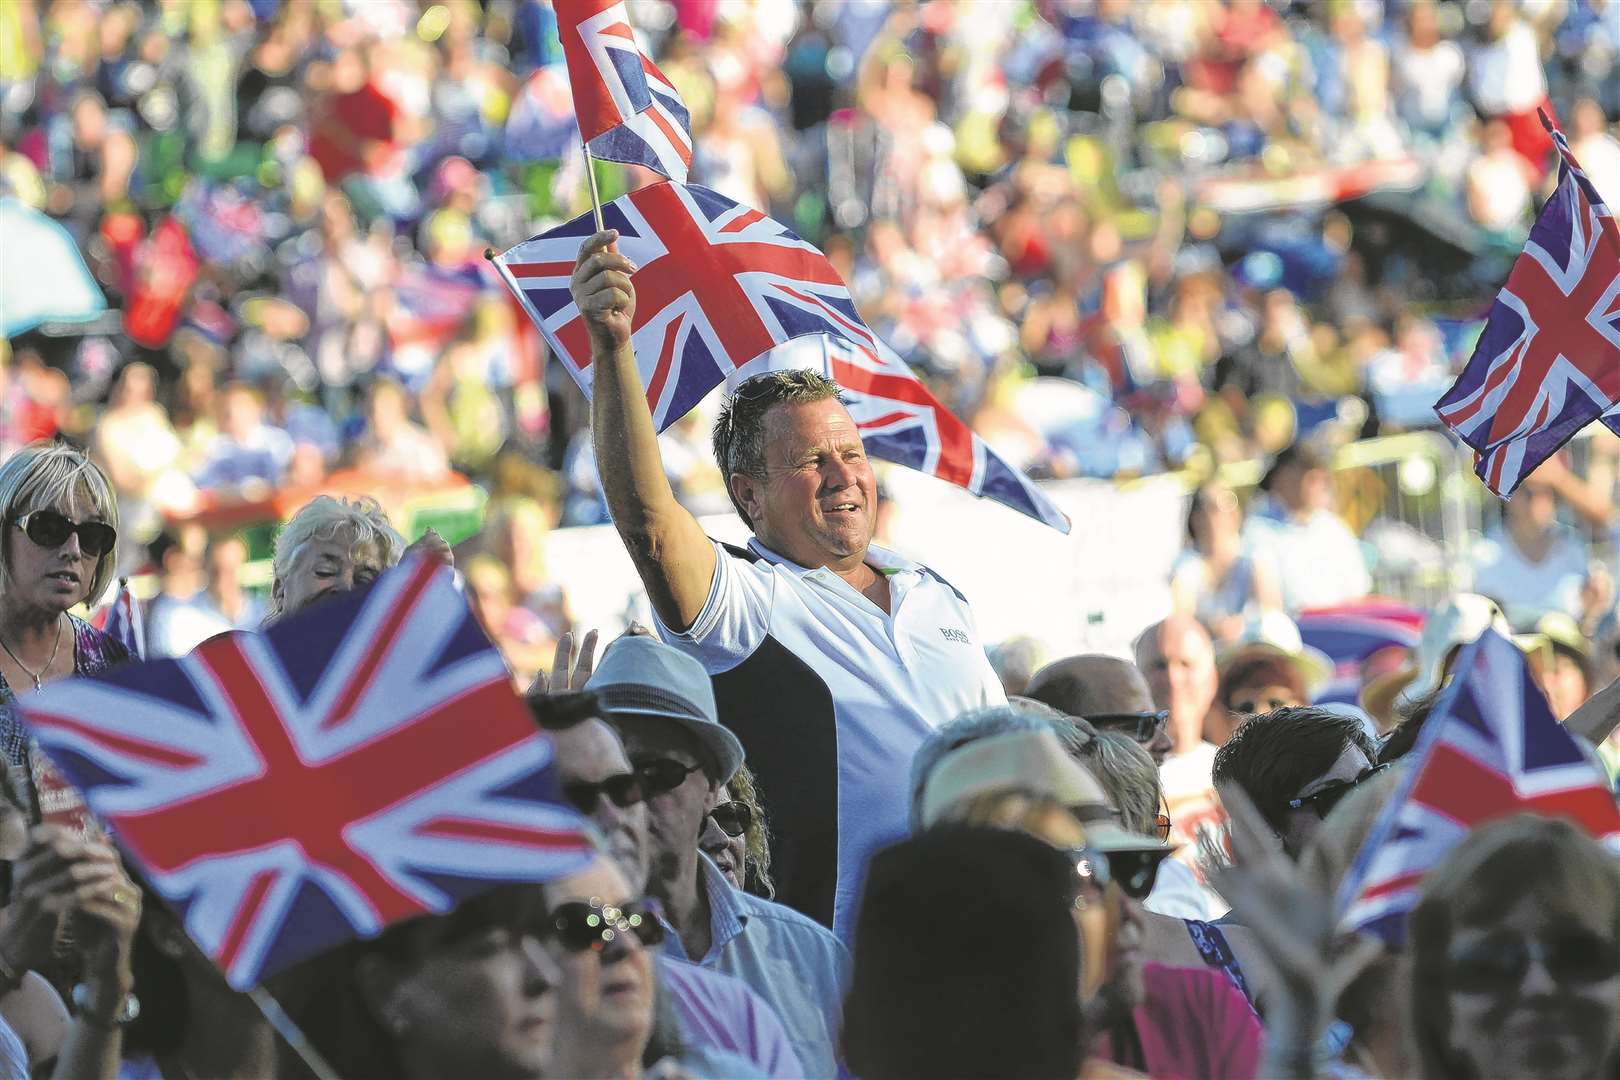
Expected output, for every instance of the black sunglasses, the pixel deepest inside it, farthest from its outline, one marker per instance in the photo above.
(733, 817)
(1498, 963)
(1323, 801)
(622, 790)
(1144, 727)
(49, 529)
(581, 926)
(1137, 871)
(663, 774)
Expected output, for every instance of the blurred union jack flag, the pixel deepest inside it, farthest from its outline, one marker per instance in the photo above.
(718, 286)
(1548, 362)
(627, 110)
(1490, 748)
(120, 619)
(363, 762)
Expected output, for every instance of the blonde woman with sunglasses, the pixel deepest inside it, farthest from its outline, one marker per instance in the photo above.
(58, 549)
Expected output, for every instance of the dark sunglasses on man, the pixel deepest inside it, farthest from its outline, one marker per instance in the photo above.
(579, 926)
(49, 529)
(733, 817)
(1144, 727)
(1324, 800)
(1497, 963)
(662, 775)
(623, 790)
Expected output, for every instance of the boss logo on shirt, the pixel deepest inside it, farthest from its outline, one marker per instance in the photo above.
(953, 634)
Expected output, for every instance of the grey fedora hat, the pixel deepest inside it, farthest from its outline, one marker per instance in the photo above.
(641, 676)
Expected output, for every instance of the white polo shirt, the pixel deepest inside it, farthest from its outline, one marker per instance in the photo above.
(830, 698)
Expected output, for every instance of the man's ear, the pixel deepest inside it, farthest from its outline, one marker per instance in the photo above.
(746, 490)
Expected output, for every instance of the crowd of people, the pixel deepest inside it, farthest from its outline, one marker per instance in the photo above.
(834, 831)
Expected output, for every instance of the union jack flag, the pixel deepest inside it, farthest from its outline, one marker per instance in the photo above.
(1548, 362)
(120, 619)
(718, 286)
(627, 110)
(360, 763)
(1490, 748)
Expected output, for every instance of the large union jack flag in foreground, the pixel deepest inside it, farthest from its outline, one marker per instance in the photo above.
(627, 110)
(718, 286)
(1490, 748)
(361, 763)
(1548, 362)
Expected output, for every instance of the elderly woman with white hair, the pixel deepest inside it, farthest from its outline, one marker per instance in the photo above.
(334, 545)
(60, 523)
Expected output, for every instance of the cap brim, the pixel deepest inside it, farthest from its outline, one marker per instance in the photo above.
(721, 744)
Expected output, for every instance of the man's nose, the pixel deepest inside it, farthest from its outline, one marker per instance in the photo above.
(712, 835)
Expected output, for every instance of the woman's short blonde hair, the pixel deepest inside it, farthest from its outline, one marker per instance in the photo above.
(47, 474)
(323, 518)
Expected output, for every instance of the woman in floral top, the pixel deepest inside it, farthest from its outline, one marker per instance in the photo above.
(60, 521)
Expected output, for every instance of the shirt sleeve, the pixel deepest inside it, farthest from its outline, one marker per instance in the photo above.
(736, 616)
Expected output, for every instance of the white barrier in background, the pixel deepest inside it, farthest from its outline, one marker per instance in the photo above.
(1090, 591)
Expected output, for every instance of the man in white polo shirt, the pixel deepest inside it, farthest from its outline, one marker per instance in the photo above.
(831, 659)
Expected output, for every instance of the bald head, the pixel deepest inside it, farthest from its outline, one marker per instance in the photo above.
(1178, 658)
(1091, 685)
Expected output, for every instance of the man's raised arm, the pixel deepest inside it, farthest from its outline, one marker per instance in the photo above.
(675, 559)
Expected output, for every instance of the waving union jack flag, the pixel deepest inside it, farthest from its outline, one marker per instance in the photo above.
(1548, 362)
(1490, 748)
(718, 286)
(627, 109)
(361, 763)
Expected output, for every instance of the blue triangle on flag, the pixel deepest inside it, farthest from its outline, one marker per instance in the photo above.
(1546, 744)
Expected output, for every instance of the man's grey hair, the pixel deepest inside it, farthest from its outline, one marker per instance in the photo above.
(969, 727)
(1127, 773)
(739, 430)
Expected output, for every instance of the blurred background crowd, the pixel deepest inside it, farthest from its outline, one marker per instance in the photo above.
(244, 263)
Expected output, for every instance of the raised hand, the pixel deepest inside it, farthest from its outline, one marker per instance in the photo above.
(1295, 927)
(434, 546)
(601, 288)
(565, 659)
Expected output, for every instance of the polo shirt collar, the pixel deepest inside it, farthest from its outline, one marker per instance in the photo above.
(890, 562)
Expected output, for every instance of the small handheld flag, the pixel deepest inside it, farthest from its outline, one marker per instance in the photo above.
(1490, 748)
(627, 110)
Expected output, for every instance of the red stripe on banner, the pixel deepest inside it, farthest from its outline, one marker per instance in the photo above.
(420, 579)
(742, 221)
(231, 945)
(675, 137)
(124, 744)
(619, 29)
(1391, 885)
(540, 270)
(496, 833)
(666, 362)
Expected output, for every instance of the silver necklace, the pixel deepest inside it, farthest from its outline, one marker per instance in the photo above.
(18, 660)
